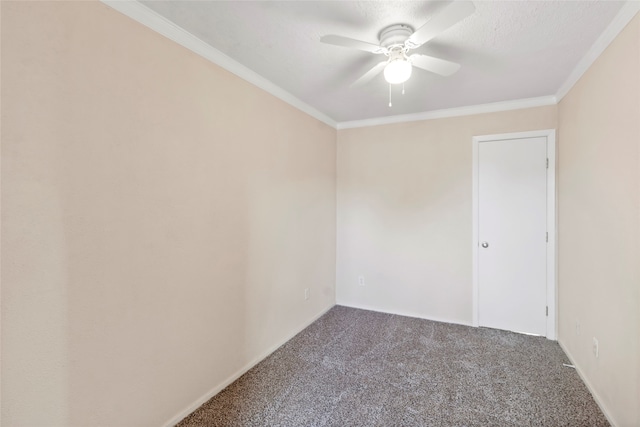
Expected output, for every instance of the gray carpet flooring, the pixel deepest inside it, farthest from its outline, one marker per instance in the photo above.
(361, 368)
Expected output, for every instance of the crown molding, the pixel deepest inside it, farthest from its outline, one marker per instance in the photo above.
(626, 14)
(453, 112)
(147, 17)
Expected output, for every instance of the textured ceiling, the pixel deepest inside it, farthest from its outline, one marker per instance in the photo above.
(508, 50)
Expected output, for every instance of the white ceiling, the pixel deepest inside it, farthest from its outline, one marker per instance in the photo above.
(509, 50)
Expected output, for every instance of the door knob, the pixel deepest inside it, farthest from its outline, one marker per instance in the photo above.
(484, 244)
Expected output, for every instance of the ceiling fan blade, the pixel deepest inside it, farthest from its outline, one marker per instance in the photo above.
(435, 65)
(355, 44)
(369, 75)
(454, 13)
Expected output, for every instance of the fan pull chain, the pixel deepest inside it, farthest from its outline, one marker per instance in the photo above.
(390, 104)
(403, 88)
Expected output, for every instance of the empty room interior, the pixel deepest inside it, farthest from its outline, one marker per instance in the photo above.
(320, 213)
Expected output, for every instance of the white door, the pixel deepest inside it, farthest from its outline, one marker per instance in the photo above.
(512, 234)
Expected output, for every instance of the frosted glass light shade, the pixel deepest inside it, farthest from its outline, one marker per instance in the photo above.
(397, 71)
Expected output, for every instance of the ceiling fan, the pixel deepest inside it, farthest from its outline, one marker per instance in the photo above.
(398, 39)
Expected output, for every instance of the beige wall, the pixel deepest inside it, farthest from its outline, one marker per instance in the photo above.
(404, 212)
(599, 225)
(161, 219)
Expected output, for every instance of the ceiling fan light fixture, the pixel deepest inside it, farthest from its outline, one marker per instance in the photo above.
(397, 71)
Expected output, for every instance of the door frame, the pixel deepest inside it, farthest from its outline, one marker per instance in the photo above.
(552, 290)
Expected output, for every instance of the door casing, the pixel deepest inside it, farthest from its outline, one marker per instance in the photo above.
(552, 292)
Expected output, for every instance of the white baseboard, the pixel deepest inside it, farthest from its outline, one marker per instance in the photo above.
(404, 313)
(217, 389)
(590, 387)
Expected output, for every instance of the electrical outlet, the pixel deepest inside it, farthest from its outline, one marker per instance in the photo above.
(596, 350)
(361, 280)
(306, 293)
(577, 327)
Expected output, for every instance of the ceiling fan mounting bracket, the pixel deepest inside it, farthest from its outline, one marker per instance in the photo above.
(394, 35)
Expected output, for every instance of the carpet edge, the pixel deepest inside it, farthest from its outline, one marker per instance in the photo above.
(405, 314)
(594, 394)
(217, 389)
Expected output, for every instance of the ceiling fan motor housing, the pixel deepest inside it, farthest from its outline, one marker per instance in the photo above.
(394, 35)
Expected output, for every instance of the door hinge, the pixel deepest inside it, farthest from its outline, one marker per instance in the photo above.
(547, 236)
(547, 311)
(547, 163)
